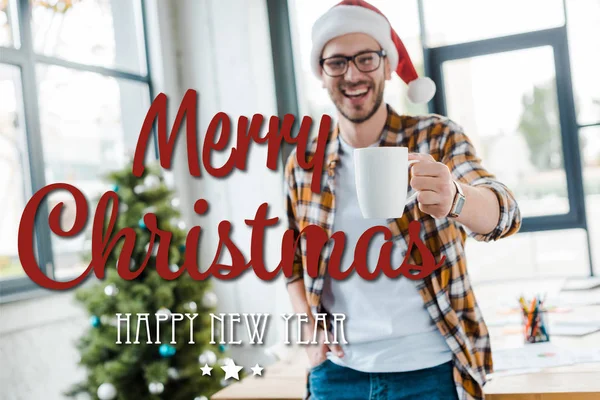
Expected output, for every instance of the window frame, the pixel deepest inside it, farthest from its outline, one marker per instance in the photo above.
(25, 58)
(556, 39)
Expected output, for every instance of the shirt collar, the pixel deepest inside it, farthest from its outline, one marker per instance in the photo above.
(333, 148)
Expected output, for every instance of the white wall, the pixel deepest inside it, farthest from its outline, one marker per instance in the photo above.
(37, 357)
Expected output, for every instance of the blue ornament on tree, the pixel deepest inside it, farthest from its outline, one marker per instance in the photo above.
(182, 248)
(95, 321)
(222, 348)
(166, 350)
(141, 223)
(115, 188)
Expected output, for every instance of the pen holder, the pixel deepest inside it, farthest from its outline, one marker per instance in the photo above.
(535, 327)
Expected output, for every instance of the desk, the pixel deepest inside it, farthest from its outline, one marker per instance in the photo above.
(287, 380)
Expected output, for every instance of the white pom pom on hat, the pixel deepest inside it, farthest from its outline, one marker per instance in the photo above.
(358, 16)
(421, 90)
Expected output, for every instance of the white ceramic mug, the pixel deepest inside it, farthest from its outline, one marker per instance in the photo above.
(382, 181)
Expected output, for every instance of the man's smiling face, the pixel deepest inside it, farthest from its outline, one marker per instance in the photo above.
(357, 95)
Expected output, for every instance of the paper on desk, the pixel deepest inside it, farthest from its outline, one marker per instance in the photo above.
(516, 361)
(496, 374)
(531, 356)
(581, 284)
(573, 328)
(586, 355)
(514, 319)
(575, 299)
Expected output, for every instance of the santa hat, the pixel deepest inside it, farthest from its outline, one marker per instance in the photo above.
(358, 16)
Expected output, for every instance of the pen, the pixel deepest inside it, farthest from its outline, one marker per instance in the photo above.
(523, 304)
(530, 316)
(536, 323)
(542, 324)
(543, 329)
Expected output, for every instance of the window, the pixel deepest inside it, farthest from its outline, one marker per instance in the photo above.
(462, 21)
(113, 33)
(583, 17)
(521, 144)
(9, 37)
(15, 189)
(75, 89)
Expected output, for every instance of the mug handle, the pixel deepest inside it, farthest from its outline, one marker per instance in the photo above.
(415, 194)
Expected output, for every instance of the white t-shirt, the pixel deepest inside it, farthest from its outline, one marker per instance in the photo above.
(387, 326)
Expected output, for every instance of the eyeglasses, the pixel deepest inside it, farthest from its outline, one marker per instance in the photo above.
(365, 61)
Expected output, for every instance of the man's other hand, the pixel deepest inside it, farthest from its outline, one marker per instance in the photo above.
(317, 353)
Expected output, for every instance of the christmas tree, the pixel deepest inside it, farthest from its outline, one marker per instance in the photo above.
(156, 370)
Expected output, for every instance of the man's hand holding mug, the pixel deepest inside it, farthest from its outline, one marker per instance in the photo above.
(434, 183)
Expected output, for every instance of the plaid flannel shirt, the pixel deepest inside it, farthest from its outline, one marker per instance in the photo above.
(447, 293)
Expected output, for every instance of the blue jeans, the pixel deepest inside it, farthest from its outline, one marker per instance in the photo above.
(329, 381)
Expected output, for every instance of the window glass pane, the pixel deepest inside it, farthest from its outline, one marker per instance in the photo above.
(8, 23)
(584, 47)
(90, 125)
(106, 33)
(313, 98)
(530, 255)
(14, 178)
(589, 140)
(513, 123)
(459, 21)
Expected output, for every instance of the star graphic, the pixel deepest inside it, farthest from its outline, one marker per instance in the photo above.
(257, 370)
(206, 370)
(232, 370)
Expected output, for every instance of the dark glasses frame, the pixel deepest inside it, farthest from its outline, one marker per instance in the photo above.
(381, 53)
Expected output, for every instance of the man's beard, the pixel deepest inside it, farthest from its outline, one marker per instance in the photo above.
(356, 116)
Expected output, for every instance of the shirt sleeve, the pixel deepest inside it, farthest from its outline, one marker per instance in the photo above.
(460, 157)
(291, 199)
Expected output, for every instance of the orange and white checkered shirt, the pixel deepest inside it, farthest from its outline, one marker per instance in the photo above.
(447, 293)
